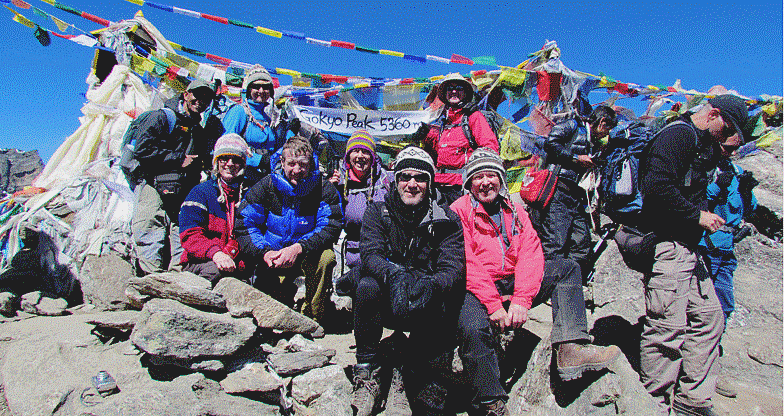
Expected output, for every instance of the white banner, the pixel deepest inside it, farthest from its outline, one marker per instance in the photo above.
(377, 123)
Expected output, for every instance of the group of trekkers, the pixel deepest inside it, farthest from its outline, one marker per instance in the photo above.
(435, 245)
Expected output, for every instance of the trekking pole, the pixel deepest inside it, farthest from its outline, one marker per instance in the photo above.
(606, 232)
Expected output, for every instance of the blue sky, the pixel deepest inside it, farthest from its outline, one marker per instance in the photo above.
(701, 43)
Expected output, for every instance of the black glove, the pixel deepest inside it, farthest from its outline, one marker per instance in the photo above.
(294, 125)
(724, 179)
(422, 292)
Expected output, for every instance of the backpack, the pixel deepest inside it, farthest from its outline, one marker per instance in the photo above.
(128, 164)
(493, 119)
(619, 187)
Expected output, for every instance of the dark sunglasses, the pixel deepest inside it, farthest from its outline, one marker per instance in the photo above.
(419, 177)
(455, 87)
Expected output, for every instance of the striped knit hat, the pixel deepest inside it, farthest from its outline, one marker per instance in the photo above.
(484, 159)
(230, 144)
(415, 158)
(361, 139)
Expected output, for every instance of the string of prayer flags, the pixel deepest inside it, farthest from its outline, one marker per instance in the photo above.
(21, 19)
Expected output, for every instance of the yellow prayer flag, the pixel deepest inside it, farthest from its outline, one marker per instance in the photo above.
(300, 81)
(148, 65)
(289, 72)
(653, 88)
(769, 109)
(21, 19)
(49, 2)
(137, 64)
(769, 138)
(60, 24)
(362, 85)
(437, 77)
(512, 77)
(175, 46)
(269, 32)
(603, 82)
(137, 2)
(391, 53)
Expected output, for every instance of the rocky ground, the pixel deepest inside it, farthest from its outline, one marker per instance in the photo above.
(177, 346)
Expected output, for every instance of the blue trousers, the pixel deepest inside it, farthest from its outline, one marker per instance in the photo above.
(722, 265)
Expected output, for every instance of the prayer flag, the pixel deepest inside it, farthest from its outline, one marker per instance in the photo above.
(341, 44)
(159, 6)
(318, 42)
(295, 35)
(484, 60)
(67, 9)
(21, 19)
(186, 12)
(437, 59)
(289, 72)
(457, 59)
(363, 49)
(21, 4)
(269, 32)
(218, 19)
(136, 2)
(96, 19)
(415, 58)
(391, 53)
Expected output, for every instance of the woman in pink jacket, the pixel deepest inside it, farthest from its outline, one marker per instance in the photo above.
(506, 275)
(447, 142)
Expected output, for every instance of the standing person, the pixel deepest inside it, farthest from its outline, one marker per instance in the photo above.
(252, 119)
(447, 142)
(684, 319)
(171, 150)
(563, 225)
(210, 248)
(504, 277)
(289, 221)
(361, 180)
(413, 267)
(731, 197)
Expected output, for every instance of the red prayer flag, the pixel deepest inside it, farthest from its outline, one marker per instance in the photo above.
(341, 44)
(63, 36)
(275, 82)
(622, 88)
(20, 4)
(457, 59)
(218, 19)
(479, 73)
(407, 81)
(330, 93)
(218, 59)
(96, 19)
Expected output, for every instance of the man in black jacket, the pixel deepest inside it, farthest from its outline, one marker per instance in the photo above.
(172, 148)
(413, 279)
(563, 225)
(684, 319)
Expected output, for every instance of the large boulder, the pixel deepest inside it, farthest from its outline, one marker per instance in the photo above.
(104, 280)
(269, 313)
(253, 377)
(18, 169)
(321, 387)
(185, 287)
(168, 328)
(37, 303)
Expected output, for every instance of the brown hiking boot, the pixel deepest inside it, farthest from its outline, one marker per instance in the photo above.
(494, 408)
(574, 359)
(366, 389)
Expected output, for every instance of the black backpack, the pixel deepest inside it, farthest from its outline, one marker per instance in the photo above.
(128, 163)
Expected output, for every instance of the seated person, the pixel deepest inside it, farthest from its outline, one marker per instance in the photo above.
(361, 179)
(504, 277)
(412, 280)
(289, 221)
(207, 215)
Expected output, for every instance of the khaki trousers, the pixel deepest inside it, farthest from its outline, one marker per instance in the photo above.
(684, 323)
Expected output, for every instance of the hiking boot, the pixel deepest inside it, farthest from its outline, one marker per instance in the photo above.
(397, 401)
(725, 387)
(681, 409)
(574, 359)
(493, 408)
(366, 389)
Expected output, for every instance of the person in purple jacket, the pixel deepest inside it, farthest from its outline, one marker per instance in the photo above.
(361, 179)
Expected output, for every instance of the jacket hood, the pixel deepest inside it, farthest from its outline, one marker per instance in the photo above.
(281, 183)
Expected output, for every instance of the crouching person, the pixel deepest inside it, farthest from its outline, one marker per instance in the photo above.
(413, 268)
(504, 260)
(207, 216)
(288, 222)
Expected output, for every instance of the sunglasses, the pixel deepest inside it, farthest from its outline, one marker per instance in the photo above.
(455, 87)
(419, 177)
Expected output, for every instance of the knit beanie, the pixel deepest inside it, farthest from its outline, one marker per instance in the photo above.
(484, 159)
(415, 158)
(230, 144)
(361, 139)
(256, 74)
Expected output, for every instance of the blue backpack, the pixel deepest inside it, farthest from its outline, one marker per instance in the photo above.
(619, 188)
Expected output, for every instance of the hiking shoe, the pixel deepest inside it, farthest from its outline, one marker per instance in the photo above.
(574, 359)
(493, 408)
(397, 401)
(725, 387)
(681, 409)
(366, 389)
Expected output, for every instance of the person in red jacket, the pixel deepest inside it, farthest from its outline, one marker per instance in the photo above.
(506, 275)
(447, 142)
(206, 217)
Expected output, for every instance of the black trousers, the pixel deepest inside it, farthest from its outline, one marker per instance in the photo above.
(563, 226)
(562, 283)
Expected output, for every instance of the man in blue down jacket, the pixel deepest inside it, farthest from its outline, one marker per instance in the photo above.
(413, 280)
(563, 225)
(288, 222)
